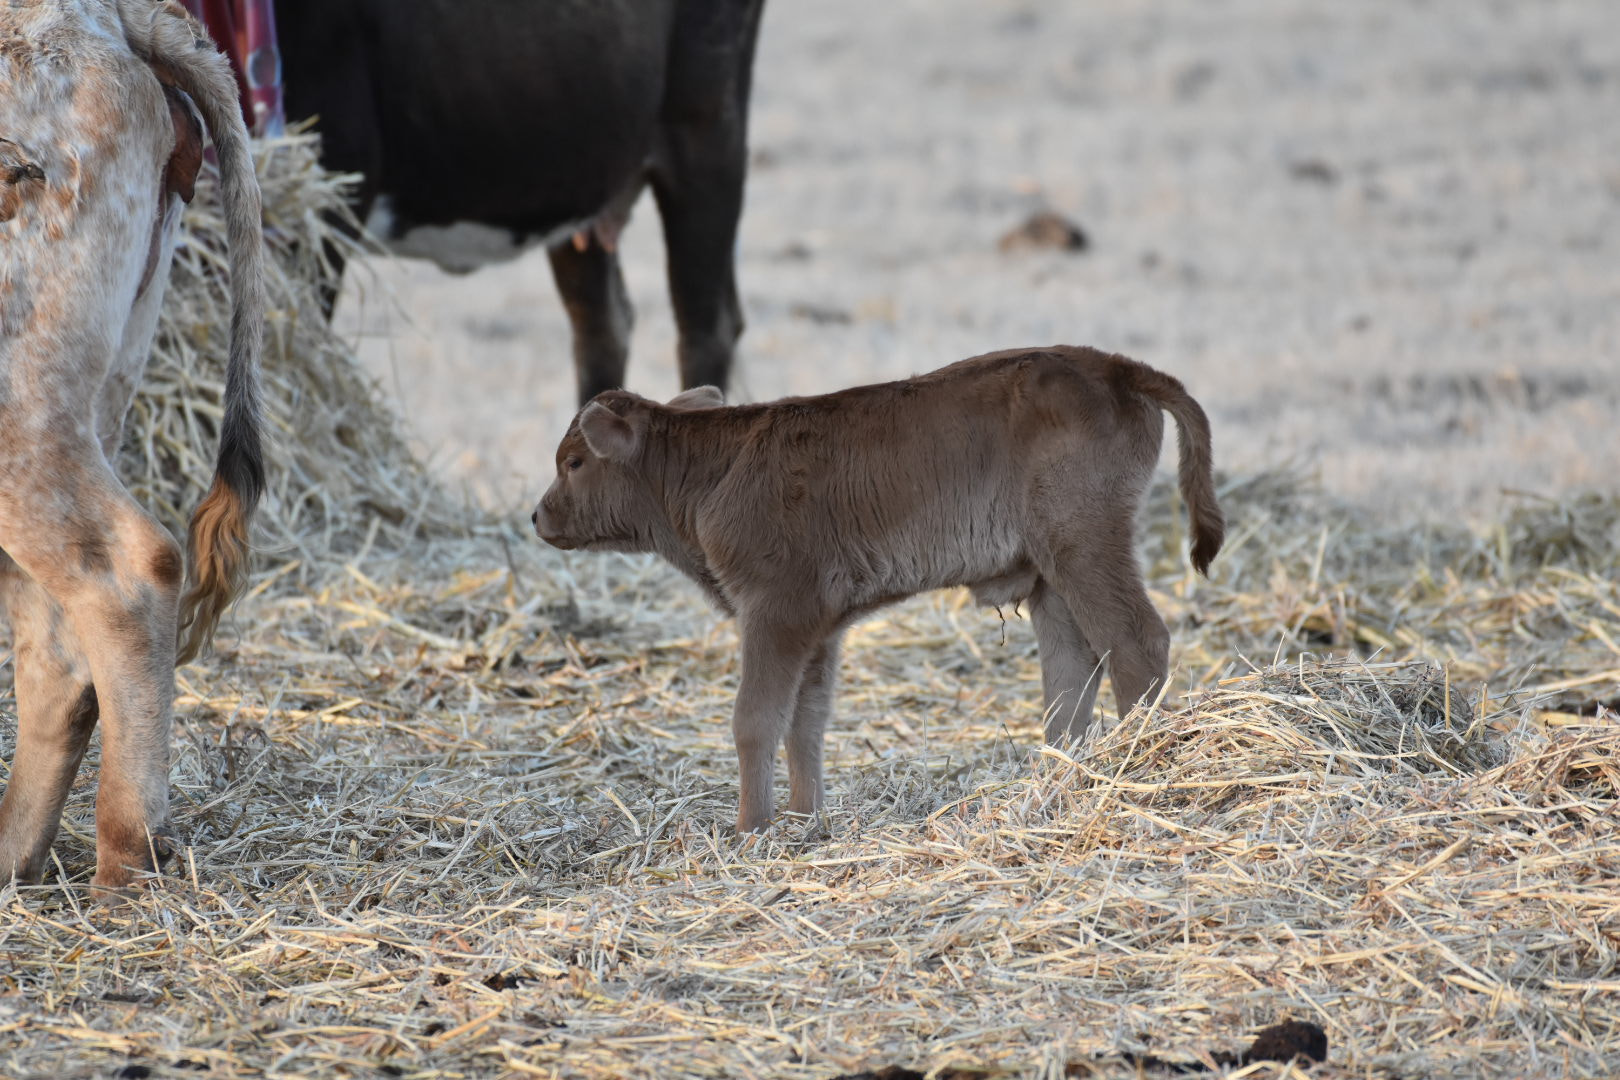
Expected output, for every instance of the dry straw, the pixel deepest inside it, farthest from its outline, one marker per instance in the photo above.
(342, 471)
(456, 804)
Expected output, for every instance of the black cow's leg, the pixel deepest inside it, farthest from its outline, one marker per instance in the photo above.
(329, 282)
(697, 177)
(699, 187)
(346, 227)
(599, 309)
(334, 257)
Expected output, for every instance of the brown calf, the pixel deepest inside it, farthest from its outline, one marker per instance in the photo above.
(98, 148)
(1018, 474)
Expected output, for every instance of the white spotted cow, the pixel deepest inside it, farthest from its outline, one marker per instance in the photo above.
(99, 147)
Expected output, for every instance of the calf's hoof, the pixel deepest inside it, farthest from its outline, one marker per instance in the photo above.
(112, 897)
(122, 868)
(24, 868)
(750, 824)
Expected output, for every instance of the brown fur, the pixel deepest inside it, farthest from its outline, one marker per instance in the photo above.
(218, 550)
(1018, 474)
(168, 568)
(185, 160)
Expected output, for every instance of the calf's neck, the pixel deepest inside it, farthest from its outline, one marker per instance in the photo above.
(1018, 474)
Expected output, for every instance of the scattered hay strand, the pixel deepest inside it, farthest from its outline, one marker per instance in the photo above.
(443, 824)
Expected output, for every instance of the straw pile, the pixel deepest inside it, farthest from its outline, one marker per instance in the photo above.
(341, 470)
(457, 807)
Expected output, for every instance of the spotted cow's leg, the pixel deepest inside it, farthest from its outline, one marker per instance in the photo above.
(56, 712)
(115, 574)
(87, 256)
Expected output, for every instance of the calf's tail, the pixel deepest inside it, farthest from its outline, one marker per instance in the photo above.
(1196, 466)
(181, 53)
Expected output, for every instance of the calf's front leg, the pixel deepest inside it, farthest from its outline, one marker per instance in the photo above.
(773, 668)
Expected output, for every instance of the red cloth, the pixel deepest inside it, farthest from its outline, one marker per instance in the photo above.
(245, 31)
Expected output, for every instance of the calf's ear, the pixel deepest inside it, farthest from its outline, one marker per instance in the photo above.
(699, 397)
(610, 436)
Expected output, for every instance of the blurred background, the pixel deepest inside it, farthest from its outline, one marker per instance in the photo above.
(1380, 241)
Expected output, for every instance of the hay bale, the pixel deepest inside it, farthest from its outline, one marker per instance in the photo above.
(339, 470)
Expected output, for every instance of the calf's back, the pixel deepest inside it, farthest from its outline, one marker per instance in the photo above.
(850, 499)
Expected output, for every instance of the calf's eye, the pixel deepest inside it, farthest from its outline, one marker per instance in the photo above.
(574, 463)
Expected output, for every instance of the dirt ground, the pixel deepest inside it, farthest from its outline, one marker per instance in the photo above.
(1375, 239)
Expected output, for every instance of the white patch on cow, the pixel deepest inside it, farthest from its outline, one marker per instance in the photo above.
(460, 248)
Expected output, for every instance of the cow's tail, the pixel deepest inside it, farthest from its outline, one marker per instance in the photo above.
(1196, 467)
(181, 52)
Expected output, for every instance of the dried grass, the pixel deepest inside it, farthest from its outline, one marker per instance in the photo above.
(342, 472)
(456, 807)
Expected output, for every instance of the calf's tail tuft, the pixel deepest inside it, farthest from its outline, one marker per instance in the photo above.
(1196, 469)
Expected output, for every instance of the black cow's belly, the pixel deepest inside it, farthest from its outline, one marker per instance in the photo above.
(526, 117)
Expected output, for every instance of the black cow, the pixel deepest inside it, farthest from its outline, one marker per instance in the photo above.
(483, 127)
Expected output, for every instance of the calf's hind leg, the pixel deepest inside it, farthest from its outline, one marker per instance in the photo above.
(56, 712)
(1099, 580)
(1070, 668)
